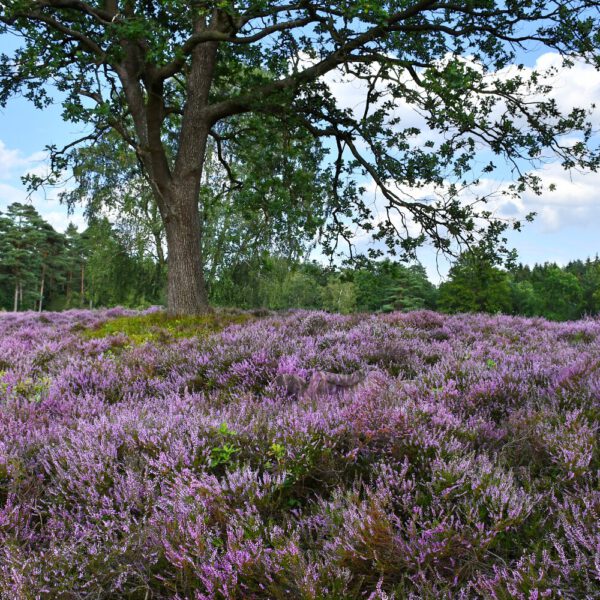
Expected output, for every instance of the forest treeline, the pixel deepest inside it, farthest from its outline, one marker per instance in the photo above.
(105, 265)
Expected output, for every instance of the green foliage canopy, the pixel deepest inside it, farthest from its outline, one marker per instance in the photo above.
(475, 285)
(165, 75)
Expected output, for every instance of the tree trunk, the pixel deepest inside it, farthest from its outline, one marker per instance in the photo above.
(42, 288)
(219, 249)
(176, 186)
(16, 302)
(69, 291)
(186, 292)
(158, 242)
(82, 290)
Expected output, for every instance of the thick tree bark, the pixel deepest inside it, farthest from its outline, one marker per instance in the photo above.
(187, 293)
(176, 185)
(186, 285)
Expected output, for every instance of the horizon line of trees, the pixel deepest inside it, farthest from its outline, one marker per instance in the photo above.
(106, 265)
(168, 89)
(43, 269)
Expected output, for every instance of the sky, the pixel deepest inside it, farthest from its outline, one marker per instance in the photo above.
(567, 225)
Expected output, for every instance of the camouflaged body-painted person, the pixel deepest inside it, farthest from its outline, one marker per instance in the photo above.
(320, 383)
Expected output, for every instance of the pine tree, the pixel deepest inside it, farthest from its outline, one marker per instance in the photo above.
(52, 258)
(20, 258)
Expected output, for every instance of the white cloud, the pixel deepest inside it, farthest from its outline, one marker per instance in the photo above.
(59, 220)
(10, 160)
(10, 193)
(13, 165)
(575, 203)
(578, 86)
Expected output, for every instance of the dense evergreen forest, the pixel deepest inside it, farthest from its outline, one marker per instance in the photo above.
(106, 265)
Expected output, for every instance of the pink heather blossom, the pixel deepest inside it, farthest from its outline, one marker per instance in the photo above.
(465, 465)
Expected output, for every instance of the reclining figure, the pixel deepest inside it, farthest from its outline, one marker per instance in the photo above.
(320, 383)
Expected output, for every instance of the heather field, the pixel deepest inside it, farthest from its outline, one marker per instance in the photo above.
(147, 458)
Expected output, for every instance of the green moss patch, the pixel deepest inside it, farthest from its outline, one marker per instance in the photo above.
(159, 326)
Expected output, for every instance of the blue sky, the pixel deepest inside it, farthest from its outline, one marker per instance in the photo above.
(567, 226)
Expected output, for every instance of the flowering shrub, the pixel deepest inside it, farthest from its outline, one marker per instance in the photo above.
(466, 465)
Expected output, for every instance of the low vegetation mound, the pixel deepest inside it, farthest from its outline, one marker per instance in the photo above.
(157, 326)
(144, 458)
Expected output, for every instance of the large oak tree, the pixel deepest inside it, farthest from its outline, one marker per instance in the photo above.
(172, 71)
(262, 192)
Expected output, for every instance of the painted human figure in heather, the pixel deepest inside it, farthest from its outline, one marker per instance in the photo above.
(320, 383)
